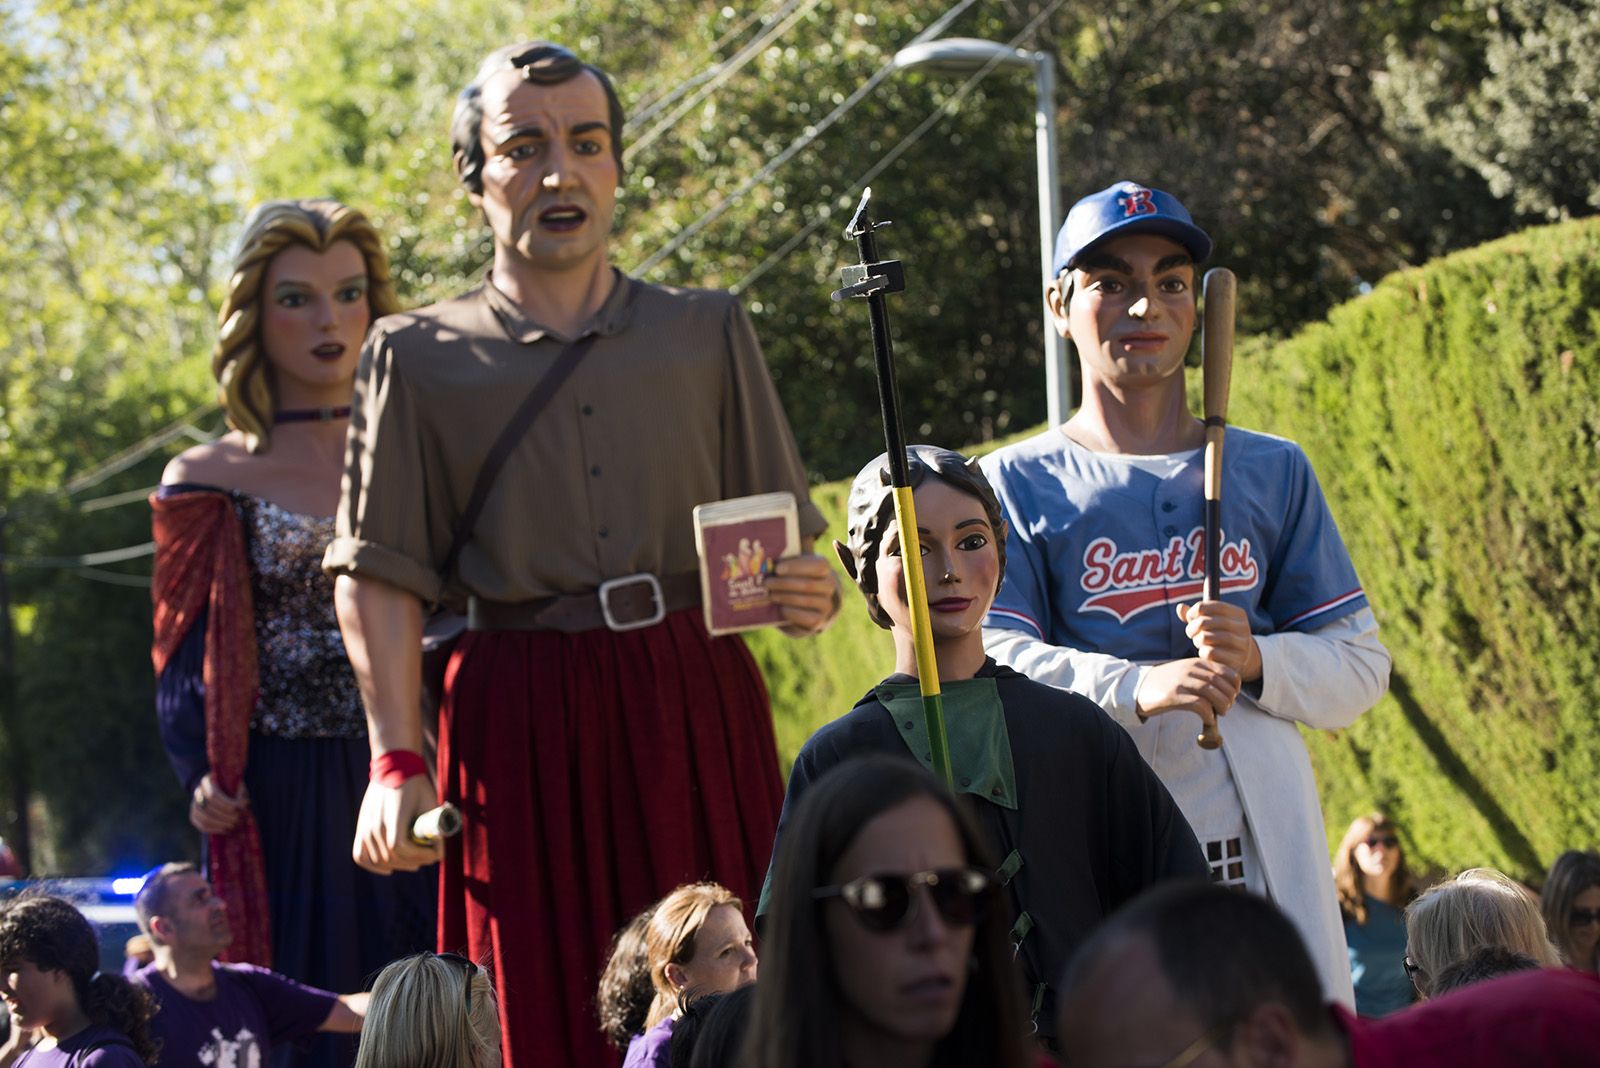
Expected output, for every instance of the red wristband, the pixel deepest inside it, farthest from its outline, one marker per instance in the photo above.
(396, 766)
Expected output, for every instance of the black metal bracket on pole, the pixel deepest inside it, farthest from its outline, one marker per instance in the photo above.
(871, 280)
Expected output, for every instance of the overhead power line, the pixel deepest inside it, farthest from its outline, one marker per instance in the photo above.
(108, 556)
(183, 427)
(652, 107)
(720, 75)
(716, 211)
(947, 107)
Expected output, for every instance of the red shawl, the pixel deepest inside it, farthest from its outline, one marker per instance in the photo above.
(200, 564)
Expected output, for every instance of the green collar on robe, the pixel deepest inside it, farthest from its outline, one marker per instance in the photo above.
(975, 720)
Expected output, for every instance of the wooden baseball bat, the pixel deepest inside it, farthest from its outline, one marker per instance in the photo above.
(1216, 363)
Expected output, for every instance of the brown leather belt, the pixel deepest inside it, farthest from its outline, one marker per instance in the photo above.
(627, 603)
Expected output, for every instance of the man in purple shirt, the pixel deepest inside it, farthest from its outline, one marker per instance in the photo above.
(221, 1015)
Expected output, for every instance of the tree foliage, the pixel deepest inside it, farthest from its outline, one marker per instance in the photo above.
(1528, 126)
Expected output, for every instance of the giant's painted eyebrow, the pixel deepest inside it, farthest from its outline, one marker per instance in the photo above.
(296, 284)
(973, 522)
(536, 130)
(1105, 261)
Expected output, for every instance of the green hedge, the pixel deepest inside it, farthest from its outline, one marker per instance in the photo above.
(1453, 415)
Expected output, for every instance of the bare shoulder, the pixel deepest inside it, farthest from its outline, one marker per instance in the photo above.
(223, 463)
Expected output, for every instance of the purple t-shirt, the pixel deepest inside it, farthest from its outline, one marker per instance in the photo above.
(111, 1049)
(253, 1009)
(650, 1049)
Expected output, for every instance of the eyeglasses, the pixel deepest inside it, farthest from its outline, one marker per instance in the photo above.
(469, 973)
(1192, 1051)
(1388, 841)
(1412, 968)
(884, 902)
(1583, 917)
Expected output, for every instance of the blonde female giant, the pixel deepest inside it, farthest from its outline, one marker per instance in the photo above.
(258, 707)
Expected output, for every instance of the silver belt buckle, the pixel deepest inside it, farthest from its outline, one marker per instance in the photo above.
(625, 581)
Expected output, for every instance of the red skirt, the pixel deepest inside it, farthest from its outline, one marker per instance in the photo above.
(595, 772)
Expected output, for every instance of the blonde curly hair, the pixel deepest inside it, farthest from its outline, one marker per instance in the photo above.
(248, 393)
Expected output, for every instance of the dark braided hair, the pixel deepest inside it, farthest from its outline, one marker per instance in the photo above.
(52, 935)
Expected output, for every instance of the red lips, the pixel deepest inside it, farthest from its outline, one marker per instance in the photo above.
(950, 604)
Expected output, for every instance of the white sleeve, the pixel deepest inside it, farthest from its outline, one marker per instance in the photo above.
(1324, 678)
(1108, 681)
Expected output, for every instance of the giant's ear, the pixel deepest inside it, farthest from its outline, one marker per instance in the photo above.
(1057, 297)
(161, 930)
(676, 976)
(458, 161)
(847, 559)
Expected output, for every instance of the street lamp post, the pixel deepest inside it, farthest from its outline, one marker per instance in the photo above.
(963, 55)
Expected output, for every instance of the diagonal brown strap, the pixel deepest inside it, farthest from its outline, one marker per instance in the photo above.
(514, 432)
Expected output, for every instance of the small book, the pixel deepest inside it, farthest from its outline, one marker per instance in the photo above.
(739, 541)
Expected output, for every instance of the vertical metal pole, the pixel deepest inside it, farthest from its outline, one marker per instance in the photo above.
(1057, 375)
(14, 803)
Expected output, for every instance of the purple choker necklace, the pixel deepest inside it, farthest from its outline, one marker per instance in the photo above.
(310, 415)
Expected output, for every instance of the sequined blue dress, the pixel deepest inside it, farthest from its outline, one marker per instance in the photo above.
(334, 926)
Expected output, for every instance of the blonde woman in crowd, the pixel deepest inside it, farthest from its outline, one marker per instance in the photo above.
(257, 705)
(696, 943)
(1374, 887)
(433, 1010)
(1475, 910)
(1571, 904)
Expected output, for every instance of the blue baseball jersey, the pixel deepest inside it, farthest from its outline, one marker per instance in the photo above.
(1100, 547)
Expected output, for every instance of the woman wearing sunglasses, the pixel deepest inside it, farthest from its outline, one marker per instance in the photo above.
(1078, 820)
(884, 947)
(1374, 887)
(1571, 906)
(434, 1009)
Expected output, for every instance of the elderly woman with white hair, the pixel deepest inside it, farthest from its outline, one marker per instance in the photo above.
(1478, 909)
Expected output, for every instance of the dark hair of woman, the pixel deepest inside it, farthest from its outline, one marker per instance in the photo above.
(1572, 873)
(1350, 882)
(623, 998)
(53, 935)
(795, 1019)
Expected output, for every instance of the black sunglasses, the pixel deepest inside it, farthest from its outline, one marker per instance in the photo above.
(469, 973)
(1584, 917)
(1388, 841)
(884, 902)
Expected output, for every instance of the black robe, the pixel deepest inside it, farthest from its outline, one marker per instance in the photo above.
(1092, 829)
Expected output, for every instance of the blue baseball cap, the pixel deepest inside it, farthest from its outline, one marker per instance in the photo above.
(1126, 208)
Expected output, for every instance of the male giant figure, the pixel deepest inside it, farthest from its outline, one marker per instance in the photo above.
(1102, 594)
(599, 758)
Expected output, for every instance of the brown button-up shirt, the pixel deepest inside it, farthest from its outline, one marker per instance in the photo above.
(671, 407)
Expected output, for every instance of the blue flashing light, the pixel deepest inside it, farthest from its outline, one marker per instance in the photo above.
(127, 886)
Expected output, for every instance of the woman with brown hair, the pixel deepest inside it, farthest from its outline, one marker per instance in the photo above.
(885, 943)
(258, 707)
(1571, 906)
(696, 942)
(50, 982)
(1374, 887)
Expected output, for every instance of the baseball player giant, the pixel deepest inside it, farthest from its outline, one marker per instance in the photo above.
(1106, 557)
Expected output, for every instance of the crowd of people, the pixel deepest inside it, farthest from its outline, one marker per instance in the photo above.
(507, 476)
